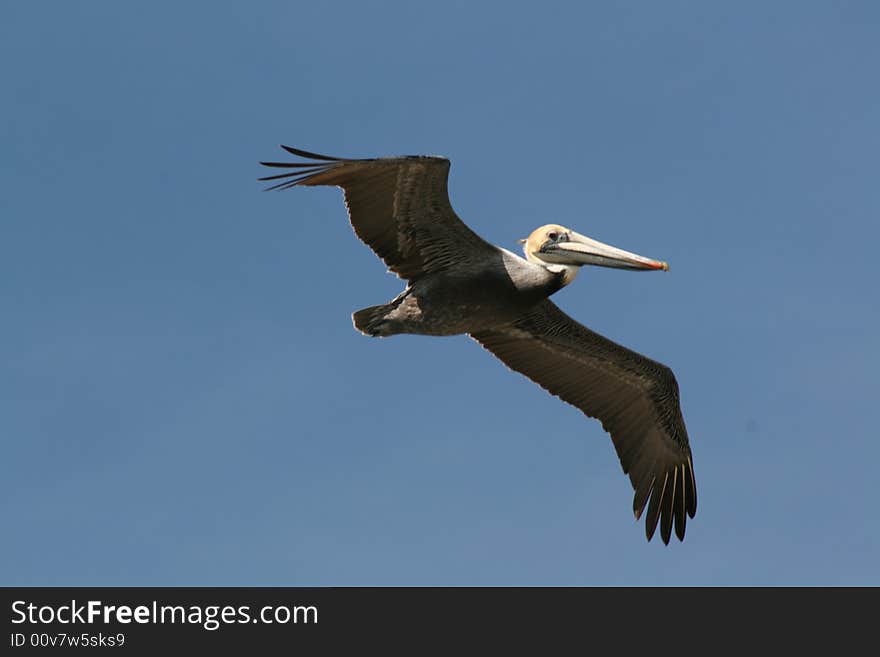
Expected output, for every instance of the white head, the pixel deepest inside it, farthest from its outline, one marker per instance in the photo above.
(560, 249)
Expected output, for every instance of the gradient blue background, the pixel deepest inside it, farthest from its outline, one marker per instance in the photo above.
(183, 400)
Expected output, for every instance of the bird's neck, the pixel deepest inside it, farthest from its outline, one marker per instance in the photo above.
(566, 272)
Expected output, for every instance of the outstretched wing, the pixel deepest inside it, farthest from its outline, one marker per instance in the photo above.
(635, 398)
(398, 206)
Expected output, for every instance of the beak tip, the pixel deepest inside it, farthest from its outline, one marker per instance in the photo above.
(664, 266)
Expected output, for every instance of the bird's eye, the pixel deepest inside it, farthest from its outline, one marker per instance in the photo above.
(552, 235)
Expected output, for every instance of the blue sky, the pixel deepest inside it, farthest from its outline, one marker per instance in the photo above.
(184, 400)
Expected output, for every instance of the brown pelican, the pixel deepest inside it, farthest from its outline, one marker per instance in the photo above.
(459, 283)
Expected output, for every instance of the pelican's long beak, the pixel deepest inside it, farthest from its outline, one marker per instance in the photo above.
(581, 250)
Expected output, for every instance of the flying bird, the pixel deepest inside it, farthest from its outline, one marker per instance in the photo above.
(457, 283)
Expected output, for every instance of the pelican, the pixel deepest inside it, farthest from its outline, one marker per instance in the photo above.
(457, 283)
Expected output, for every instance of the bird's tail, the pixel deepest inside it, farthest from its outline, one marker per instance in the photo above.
(371, 321)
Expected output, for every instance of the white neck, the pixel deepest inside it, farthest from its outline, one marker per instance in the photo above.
(568, 271)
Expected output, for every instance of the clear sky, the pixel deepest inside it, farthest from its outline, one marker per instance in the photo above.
(183, 399)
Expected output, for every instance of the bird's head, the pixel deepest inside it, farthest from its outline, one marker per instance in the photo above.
(560, 249)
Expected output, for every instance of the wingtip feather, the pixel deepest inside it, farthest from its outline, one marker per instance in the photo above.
(307, 154)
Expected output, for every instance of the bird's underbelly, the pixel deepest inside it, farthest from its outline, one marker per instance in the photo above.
(451, 305)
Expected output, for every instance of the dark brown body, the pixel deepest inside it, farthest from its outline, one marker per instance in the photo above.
(478, 296)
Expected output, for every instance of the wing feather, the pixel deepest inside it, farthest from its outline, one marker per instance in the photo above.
(398, 206)
(635, 398)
